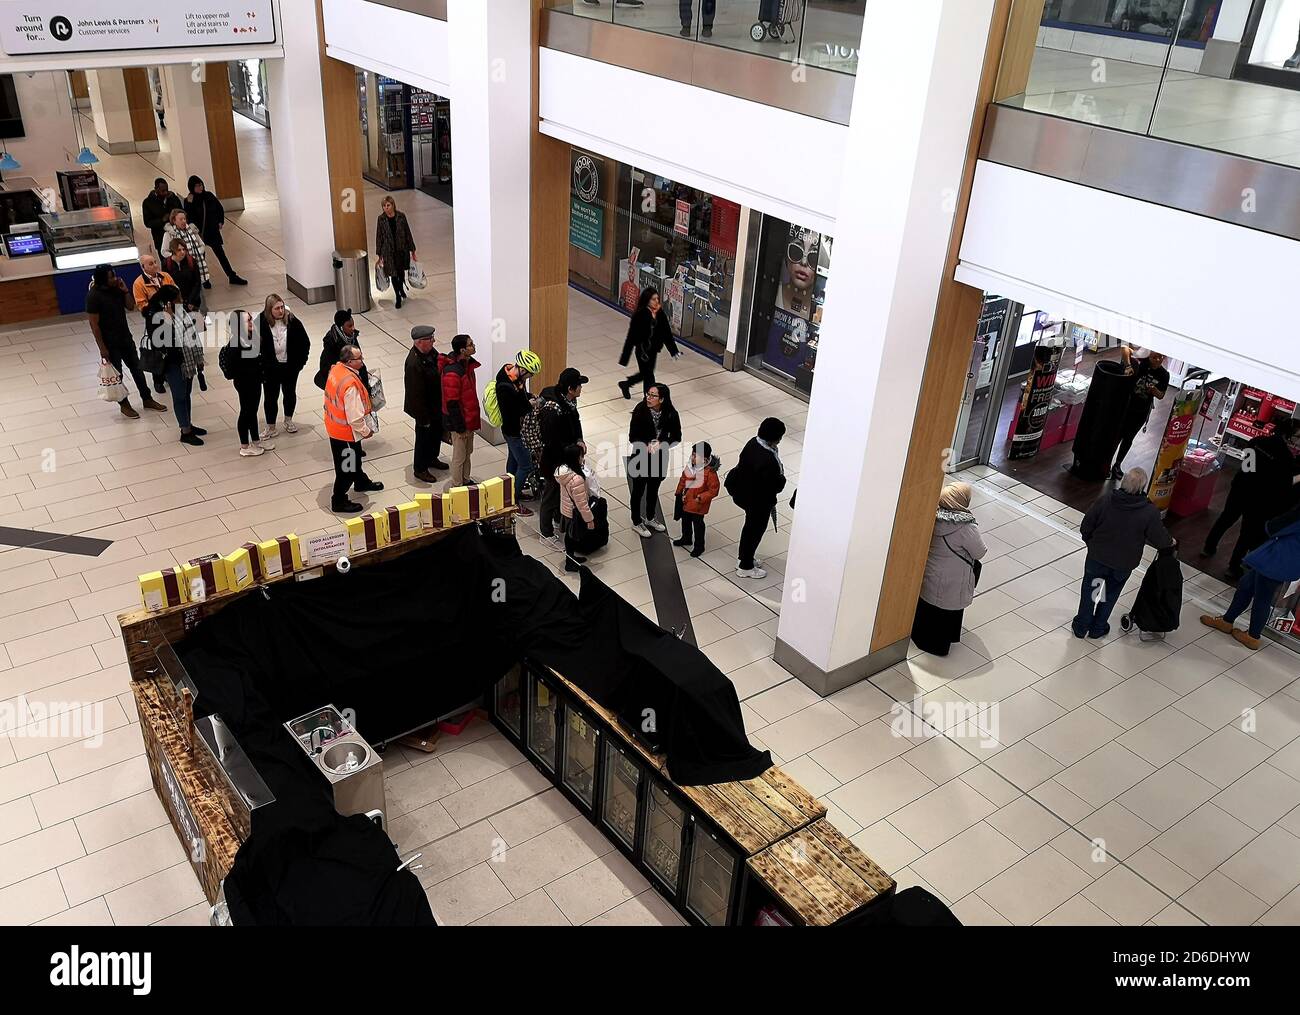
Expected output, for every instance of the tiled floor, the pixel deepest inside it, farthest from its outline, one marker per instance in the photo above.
(1258, 121)
(82, 836)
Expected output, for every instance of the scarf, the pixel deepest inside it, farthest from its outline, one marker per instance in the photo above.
(956, 517)
(775, 454)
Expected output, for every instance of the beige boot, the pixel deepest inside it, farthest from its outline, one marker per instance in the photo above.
(1245, 638)
(1218, 623)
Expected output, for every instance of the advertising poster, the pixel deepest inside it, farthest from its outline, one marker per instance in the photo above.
(586, 210)
(630, 292)
(724, 225)
(787, 342)
(799, 272)
(1173, 447)
(1035, 402)
(682, 218)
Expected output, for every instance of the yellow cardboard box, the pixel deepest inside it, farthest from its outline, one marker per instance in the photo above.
(160, 589)
(497, 494)
(239, 568)
(206, 577)
(466, 504)
(280, 556)
(435, 509)
(404, 521)
(369, 532)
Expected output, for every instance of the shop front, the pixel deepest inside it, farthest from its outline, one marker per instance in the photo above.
(1064, 410)
(630, 230)
(1270, 45)
(248, 90)
(405, 136)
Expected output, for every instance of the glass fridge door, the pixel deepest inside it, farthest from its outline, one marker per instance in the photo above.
(580, 746)
(543, 710)
(713, 868)
(662, 849)
(621, 794)
(507, 700)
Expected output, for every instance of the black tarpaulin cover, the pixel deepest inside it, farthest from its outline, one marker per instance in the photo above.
(401, 645)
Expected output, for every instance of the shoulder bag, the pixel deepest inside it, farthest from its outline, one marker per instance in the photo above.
(976, 566)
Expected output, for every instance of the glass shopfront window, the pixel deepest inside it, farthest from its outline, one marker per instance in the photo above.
(791, 271)
(248, 93)
(630, 230)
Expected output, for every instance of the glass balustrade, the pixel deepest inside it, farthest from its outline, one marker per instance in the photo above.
(1218, 74)
(820, 33)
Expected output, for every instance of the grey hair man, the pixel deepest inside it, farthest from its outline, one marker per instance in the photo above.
(348, 423)
(1116, 529)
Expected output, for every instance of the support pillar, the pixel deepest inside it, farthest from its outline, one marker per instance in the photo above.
(187, 125)
(304, 160)
(894, 233)
(110, 110)
(139, 99)
(219, 115)
(491, 45)
(339, 92)
(1018, 53)
(549, 239)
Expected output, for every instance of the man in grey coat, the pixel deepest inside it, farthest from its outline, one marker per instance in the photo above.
(1116, 529)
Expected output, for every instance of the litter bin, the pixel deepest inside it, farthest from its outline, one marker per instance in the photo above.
(352, 280)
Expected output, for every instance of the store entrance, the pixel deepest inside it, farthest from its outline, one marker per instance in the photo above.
(1052, 410)
(405, 136)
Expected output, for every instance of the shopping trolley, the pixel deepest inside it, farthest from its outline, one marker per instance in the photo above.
(775, 17)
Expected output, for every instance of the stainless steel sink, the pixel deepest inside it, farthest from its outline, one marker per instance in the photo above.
(347, 756)
(354, 769)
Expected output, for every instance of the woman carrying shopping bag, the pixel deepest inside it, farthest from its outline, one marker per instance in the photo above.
(394, 247)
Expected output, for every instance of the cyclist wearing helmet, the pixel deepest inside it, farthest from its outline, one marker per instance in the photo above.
(514, 403)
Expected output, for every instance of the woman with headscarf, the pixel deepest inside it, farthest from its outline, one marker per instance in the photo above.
(949, 583)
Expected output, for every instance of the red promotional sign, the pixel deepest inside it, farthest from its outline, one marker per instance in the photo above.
(682, 222)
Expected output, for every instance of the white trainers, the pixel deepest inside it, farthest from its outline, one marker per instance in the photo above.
(642, 531)
(252, 451)
(290, 426)
(269, 432)
(552, 542)
(658, 526)
(753, 572)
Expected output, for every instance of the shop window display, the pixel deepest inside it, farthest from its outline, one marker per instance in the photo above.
(248, 90)
(621, 794)
(1145, 19)
(630, 230)
(792, 270)
(580, 746)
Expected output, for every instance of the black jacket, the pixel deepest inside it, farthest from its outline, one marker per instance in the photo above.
(757, 479)
(513, 401)
(641, 431)
(205, 211)
(299, 345)
(188, 279)
(330, 347)
(1269, 482)
(1119, 525)
(646, 335)
(561, 426)
(155, 210)
(423, 388)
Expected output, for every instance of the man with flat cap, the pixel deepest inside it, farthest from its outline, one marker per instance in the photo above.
(424, 402)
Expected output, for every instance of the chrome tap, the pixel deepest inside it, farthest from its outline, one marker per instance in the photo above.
(319, 736)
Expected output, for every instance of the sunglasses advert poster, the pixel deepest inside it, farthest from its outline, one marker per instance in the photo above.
(796, 315)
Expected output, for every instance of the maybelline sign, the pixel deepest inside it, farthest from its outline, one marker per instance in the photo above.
(87, 26)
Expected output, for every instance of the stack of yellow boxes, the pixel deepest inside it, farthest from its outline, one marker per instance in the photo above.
(435, 510)
(404, 521)
(280, 556)
(488, 498)
(160, 589)
(369, 532)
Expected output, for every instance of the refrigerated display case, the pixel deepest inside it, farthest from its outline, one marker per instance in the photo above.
(665, 827)
(711, 879)
(580, 754)
(620, 795)
(543, 721)
(507, 700)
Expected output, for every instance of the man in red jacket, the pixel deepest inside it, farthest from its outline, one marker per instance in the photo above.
(460, 411)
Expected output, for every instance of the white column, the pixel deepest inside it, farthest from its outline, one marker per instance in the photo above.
(110, 110)
(187, 123)
(490, 46)
(919, 70)
(302, 160)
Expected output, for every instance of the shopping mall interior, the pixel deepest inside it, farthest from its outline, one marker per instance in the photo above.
(462, 693)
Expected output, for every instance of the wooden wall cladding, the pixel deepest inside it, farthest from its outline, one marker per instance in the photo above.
(28, 299)
(227, 181)
(139, 100)
(339, 90)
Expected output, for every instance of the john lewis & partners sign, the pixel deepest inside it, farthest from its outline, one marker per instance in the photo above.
(89, 26)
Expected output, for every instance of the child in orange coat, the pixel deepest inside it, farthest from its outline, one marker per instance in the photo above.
(695, 492)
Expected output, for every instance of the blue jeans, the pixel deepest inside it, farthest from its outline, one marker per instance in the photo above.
(1097, 601)
(180, 386)
(519, 463)
(1257, 592)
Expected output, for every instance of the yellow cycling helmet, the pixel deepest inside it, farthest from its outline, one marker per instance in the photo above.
(528, 360)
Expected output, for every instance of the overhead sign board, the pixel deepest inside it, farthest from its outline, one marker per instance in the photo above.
(90, 26)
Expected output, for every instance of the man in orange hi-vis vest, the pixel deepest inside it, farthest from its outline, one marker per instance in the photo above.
(347, 408)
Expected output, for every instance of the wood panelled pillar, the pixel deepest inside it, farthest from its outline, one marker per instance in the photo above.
(548, 236)
(80, 89)
(947, 363)
(1018, 49)
(139, 102)
(343, 138)
(227, 182)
